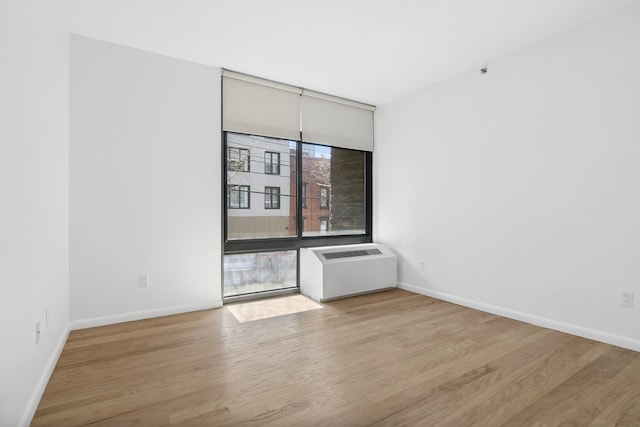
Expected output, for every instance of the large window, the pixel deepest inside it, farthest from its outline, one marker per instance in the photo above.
(334, 194)
(298, 174)
(333, 186)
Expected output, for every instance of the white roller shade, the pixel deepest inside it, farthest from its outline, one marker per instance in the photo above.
(260, 107)
(336, 122)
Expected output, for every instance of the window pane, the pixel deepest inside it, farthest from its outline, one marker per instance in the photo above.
(272, 163)
(238, 196)
(324, 198)
(272, 197)
(238, 159)
(304, 194)
(261, 189)
(258, 272)
(334, 201)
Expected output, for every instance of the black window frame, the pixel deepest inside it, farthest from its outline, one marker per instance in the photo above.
(299, 241)
(239, 191)
(269, 164)
(269, 194)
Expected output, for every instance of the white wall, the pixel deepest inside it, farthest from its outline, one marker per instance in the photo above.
(145, 184)
(34, 149)
(520, 189)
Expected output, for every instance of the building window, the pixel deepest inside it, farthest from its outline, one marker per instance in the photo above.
(271, 163)
(238, 196)
(238, 160)
(324, 198)
(272, 197)
(304, 194)
(324, 224)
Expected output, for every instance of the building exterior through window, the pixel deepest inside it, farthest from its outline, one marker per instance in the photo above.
(260, 187)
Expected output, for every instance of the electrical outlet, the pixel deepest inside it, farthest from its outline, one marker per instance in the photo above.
(143, 280)
(626, 299)
(37, 332)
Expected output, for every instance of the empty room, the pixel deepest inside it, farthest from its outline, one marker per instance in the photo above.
(331, 213)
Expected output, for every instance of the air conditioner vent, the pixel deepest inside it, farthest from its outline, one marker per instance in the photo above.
(351, 254)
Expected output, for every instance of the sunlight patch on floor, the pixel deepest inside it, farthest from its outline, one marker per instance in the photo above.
(256, 310)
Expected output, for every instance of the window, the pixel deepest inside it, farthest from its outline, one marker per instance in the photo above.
(276, 218)
(344, 172)
(324, 198)
(238, 160)
(238, 196)
(259, 272)
(335, 185)
(272, 197)
(304, 194)
(324, 224)
(271, 163)
(316, 179)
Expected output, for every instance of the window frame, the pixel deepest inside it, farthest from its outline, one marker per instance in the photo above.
(271, 163)
(325, 220)
(324, 199)
(298, 241)
(239, 191)
(269, 194)
(304, 195)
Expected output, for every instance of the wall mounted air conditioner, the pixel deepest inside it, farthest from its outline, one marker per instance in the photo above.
(339, 271)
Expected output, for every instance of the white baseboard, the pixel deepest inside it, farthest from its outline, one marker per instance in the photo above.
(139, 315)
(31, 408)
(568, 328)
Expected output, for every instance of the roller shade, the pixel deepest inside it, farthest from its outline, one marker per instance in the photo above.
(260, 107)
(336, 122)
(257, 106)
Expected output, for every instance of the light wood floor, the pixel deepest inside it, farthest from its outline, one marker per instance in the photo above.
(393, 358)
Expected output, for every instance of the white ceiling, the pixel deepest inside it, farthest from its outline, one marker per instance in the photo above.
(373, 51)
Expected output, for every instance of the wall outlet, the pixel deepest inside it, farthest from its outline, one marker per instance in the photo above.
(626, 299)
(37, 332)
(143, 280)
(421, 264)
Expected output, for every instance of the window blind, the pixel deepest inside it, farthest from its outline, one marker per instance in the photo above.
(336, 122)
(261, 107)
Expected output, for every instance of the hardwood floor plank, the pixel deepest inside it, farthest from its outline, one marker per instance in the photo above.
(620, 399)
(391, 358)
(568, 401)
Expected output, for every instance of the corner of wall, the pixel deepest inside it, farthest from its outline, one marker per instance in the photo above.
(32, 406)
